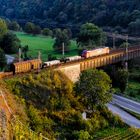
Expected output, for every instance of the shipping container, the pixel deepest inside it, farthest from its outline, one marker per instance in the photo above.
(51, 63)
(73, 58)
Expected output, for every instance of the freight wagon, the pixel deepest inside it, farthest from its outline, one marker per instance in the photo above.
(5, 74)
(95, 52)
(26, 66)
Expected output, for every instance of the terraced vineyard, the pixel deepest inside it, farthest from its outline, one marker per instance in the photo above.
(126, 135)
(21, 132)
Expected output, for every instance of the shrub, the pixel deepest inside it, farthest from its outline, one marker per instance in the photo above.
(81, 135)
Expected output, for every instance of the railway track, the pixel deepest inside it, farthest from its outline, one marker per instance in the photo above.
(112, 52)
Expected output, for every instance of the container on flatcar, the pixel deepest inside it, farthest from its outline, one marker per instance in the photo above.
(51, 63)
(95, 52)
(73, 58)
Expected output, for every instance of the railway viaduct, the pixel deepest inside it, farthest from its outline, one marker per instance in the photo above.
(73, 69)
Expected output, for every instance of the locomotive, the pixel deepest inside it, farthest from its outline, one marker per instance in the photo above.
(95, 52)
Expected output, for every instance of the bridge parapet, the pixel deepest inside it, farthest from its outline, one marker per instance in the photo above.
(74, 69)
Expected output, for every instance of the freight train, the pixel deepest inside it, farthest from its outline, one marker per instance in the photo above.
(27, 66)
(85, 54)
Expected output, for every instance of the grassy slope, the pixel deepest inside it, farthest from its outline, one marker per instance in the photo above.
(43, 44)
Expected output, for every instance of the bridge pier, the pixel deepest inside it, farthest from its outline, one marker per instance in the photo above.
(71, 71)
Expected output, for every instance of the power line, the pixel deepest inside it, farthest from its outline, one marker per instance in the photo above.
(114, 40)
(123, 37)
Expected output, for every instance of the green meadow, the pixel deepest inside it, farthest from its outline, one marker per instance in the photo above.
(44, 45)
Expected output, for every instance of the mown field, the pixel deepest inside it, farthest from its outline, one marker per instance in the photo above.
(44, 45)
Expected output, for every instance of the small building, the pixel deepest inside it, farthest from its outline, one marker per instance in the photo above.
(84, 115)
(10, 59)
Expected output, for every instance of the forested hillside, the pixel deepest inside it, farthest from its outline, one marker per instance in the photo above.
(55, 12)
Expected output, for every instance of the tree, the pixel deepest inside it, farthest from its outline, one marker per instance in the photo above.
(94, 88)
(36, 30)
(122, 79)
(47, 32)
(36, 121)
(124, 45)
(134, 27)
(25, 49)
(62, 37)
(29, 27)
(3, 28)
(2, 59)
(82, 135)
(14, 26)
(56, 32)
(10, 43)
(90, 36)
(135, 15)
(68, 32)
(51, 57)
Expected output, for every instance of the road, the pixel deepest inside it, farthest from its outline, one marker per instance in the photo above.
(126, 103)
(119, 101)
(127, 118)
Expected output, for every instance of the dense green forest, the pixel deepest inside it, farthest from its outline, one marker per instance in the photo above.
(114, 13)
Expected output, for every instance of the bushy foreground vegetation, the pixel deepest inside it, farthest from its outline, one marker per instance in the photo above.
(55, 109)
(19, 131)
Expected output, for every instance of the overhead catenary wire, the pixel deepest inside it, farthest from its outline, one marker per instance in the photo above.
(123, 37)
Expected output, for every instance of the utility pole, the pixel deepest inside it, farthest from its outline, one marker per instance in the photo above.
(114, 39)
(19, 55)
(126, 52)
(101, 41)
(63, 49)
(39, 58)
(39, 55)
